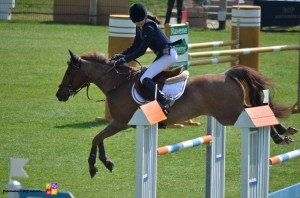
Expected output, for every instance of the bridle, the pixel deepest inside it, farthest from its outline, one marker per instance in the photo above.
(72, 91)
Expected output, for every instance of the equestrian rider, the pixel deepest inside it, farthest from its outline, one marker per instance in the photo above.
(148, 34)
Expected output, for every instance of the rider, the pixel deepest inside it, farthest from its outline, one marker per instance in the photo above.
(148, 34)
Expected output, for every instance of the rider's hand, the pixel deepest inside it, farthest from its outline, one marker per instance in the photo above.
(120, 62)
(116, 57)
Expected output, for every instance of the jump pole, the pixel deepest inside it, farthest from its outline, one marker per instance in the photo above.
(278, 159)
(184, 145)
(290, 191)
(212, 61)
(246, 51)
(212, 44)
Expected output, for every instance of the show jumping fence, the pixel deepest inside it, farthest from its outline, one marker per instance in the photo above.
(255, 123)
(145, 119)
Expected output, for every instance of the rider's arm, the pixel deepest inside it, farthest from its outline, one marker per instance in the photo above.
(143, 45)
(135, 44)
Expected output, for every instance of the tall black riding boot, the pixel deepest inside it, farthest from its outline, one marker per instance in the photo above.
(164, 101)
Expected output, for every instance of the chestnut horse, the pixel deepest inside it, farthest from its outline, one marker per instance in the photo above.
(219, 95)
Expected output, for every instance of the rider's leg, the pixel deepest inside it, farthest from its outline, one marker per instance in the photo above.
(155, 68)
(161, 97)
(160, 65)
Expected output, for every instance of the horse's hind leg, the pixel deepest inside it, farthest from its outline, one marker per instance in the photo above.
(277, 139)
(285, 131)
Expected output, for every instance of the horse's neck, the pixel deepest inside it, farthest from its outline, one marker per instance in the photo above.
(108, 79)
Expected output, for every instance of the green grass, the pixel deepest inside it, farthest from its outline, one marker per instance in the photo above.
(56, 137)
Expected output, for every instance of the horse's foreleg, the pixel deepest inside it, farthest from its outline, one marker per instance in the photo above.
(102, 157)
(92, 161)
(113, 128)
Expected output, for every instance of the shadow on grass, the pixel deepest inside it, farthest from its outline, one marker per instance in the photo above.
(83, 125)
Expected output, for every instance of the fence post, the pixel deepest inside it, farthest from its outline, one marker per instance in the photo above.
(215, 160)
(146, 119)
(255, 123)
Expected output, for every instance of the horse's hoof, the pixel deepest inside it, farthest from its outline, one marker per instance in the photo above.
(93, 171)
(288, 140)
(109, 165)
(292, 130)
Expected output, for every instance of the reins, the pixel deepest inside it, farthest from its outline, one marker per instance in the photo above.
(87, 84)
(129, 77)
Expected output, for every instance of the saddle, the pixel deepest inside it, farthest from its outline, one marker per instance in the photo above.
(177, 75)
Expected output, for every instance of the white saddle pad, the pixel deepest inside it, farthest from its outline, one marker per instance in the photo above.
(174, 91)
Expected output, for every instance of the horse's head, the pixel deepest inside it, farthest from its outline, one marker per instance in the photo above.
(74, 79)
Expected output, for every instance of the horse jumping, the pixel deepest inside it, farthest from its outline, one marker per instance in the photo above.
(223, 96)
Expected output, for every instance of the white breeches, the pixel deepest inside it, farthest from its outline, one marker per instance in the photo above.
(160, 64)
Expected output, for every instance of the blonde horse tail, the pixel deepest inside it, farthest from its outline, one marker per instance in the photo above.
(253, 83)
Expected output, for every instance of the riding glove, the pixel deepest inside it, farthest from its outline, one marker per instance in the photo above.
(116, 57)
(120, 62)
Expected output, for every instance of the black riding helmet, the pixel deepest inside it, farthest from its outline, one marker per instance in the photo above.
(137, 12)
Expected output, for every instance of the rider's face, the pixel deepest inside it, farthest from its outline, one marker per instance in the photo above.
(140, 23)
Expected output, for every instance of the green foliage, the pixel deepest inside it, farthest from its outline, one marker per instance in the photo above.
(56, 137)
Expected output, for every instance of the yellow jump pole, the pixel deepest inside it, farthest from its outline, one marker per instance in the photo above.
(211, 44)
(121, 36)
(245, 51)
(246, 31)
(213, 61)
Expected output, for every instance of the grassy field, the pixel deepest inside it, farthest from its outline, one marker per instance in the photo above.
(56, 137)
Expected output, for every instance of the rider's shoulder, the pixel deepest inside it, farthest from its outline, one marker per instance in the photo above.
(150, 24)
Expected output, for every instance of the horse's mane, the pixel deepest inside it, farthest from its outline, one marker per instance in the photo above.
(102, 58)
(96, 56)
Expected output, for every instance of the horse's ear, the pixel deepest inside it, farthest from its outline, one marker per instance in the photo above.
(74, 58)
